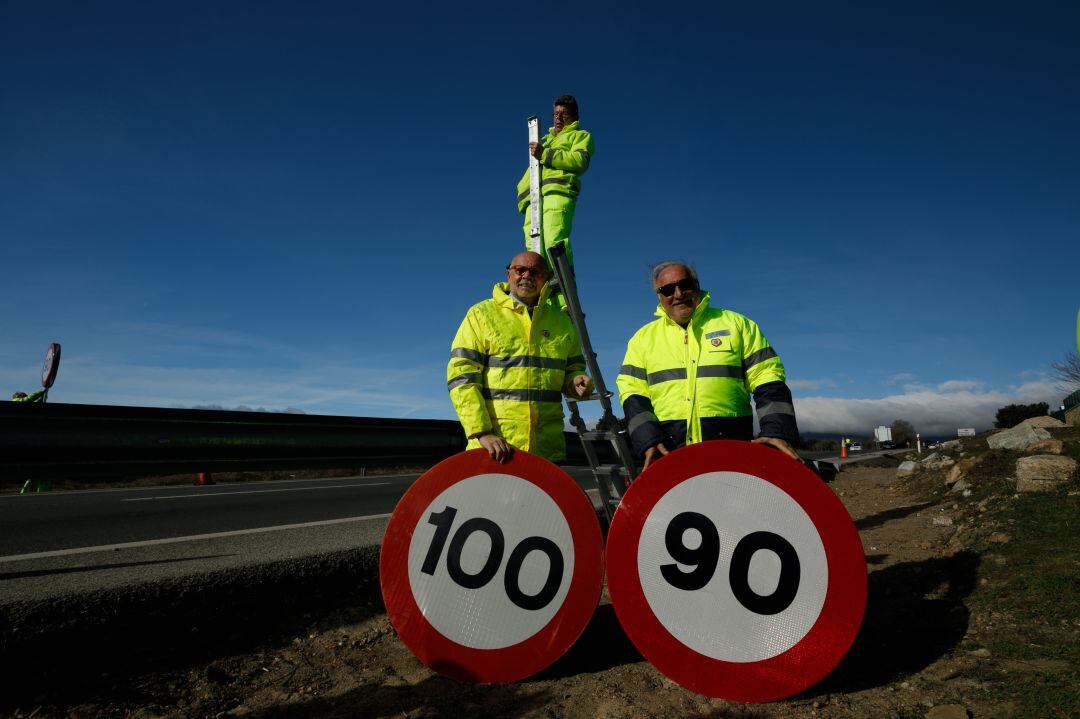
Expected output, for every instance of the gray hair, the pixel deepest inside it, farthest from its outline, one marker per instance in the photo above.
(659, 267)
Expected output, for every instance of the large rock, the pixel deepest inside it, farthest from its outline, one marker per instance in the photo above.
(1043, 472)
(1044, 421)
(951, 444)
(958, 471)
(930, 458)
(1018, 438)
(1047, 446)
(906, 469)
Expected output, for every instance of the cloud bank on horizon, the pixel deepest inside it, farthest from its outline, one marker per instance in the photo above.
(933, 411)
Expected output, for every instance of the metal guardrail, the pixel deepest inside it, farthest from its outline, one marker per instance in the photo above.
(72, 440)
(86, 441)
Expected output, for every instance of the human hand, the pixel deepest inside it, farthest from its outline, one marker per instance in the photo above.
(496, 446)
(777, 443)
(582, 385)
(536, 149)
(654, 453)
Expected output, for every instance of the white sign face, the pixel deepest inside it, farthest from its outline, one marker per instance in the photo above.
(724, 578)
(965, 432)
(491, 561)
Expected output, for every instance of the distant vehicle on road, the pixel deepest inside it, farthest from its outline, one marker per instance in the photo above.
(856, 448)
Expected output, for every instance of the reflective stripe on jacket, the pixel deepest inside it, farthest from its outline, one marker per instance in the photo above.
(681, 386)
(566, 156)
(508, 372)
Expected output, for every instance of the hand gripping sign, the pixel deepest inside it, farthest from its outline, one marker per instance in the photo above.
(491, 571)
(736, 572)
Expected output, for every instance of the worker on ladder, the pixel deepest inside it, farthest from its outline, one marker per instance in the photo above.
(564, 155)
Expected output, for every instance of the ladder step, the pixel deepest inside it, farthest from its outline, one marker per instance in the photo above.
(599, 435)
(610, 470)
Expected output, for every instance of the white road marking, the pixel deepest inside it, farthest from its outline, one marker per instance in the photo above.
(254, 491)
(189, 538)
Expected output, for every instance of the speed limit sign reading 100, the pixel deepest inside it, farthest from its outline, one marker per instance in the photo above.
(491, 571)
(736, 571)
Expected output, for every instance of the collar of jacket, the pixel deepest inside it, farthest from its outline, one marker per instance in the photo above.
(572, 126)
(501, 294)
(698, 311)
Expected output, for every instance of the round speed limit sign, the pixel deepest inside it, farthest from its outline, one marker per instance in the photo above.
(736, 571)
(491, 571)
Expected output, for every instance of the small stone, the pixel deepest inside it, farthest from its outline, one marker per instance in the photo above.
(999, 538)
(959, 486)
(948, 711)
(943, 521)
(981, 653)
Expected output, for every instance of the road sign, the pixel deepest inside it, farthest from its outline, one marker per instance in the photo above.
(51, 365)
(491, 571)
(736, 571)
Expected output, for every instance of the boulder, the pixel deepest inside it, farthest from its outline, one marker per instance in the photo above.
(1018, 438)
(906, 469)
(951, 444)
(958, 471)
(1044, 421)
(930, 458)
(1043, 472)
(1046, 446)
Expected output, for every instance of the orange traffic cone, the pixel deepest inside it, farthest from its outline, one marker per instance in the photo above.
(204, 478)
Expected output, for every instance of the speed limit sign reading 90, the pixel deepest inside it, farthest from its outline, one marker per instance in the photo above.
(491, 571)
(736, 572)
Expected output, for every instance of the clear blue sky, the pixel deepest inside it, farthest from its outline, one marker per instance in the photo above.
(280, 205)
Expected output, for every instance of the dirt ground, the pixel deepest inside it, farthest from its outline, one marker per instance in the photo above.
(918, 654)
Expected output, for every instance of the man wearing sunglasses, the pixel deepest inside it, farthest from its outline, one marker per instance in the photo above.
(688, 376)
(512, 360)
(564, 155)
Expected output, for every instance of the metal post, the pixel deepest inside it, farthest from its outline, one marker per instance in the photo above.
(536, 232)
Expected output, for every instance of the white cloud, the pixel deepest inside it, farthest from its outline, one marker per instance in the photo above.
(959, 385)
(901, 378)
(810, 384)
(937, 412)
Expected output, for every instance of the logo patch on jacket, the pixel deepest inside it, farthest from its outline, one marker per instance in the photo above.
(716, 342)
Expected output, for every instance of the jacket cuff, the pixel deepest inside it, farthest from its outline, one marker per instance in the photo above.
(641, 424)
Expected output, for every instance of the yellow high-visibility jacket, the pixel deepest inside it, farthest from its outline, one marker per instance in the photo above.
(508, 371)
(680, 386)
(566, 156)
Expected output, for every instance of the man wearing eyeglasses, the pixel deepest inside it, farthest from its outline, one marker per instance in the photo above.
(688, 375)
(564, 155)
(512, 360)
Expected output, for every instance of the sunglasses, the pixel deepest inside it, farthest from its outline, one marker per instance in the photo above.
(522, 271)
(688, 284)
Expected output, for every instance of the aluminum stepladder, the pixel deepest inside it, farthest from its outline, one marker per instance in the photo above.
(611, 479)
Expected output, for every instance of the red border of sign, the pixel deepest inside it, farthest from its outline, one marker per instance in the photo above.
(790, 672)
(525, 658)
(50, 366)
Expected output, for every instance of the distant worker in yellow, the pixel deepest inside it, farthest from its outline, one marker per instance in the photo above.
(564, 154)
(32, 485)
(38, 396)
(688, 376)
(512, 360)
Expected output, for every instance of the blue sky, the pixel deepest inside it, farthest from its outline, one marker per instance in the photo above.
(285, 205)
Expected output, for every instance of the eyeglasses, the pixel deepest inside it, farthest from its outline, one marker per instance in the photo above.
(522, 271)
(687, 284)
